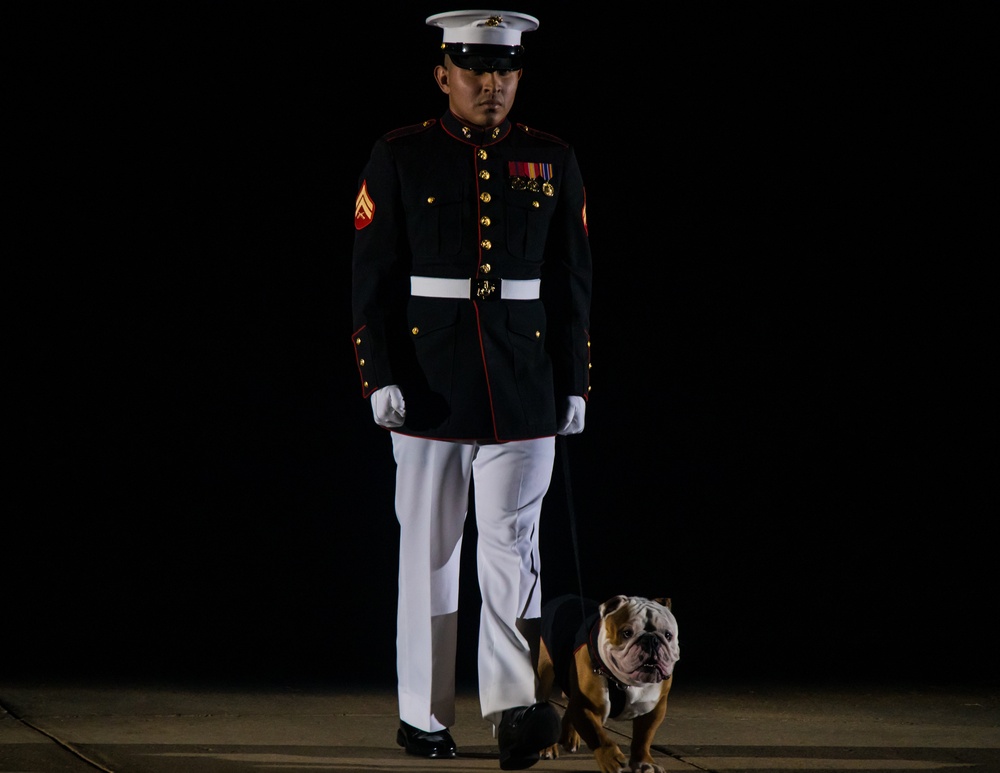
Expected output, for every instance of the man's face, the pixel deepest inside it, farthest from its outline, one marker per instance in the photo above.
(478, 97)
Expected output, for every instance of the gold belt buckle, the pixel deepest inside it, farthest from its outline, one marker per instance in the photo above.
(484, 289)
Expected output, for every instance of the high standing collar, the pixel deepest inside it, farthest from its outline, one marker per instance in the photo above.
(474, 135)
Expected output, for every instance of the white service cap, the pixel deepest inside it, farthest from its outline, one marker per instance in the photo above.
(483, 39)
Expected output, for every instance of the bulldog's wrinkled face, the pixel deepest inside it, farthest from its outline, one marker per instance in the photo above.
(638, 639)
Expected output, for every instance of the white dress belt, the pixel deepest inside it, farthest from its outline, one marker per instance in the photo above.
(510, 289)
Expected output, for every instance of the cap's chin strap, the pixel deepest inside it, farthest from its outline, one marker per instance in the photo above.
(485, 64)
(485, 50)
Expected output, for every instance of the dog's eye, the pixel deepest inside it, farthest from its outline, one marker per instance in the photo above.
(668, 636)
(626, 633)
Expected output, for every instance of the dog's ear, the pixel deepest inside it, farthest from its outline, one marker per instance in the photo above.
(612, 604)
(665, 601)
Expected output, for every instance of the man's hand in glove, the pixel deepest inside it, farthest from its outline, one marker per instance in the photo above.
(572, 418)
(389, 407)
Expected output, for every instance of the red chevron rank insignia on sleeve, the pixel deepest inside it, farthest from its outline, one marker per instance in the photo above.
(364, 208)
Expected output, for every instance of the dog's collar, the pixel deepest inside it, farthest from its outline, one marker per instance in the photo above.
(600, 668)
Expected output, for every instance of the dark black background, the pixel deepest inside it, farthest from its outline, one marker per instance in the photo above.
(792, 425)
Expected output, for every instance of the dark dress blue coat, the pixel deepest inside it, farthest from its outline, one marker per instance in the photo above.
(442, 199)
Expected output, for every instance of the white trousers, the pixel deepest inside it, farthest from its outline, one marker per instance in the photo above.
(433, 479)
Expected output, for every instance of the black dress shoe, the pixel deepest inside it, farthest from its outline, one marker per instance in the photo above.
(524, 732)
(436, 745)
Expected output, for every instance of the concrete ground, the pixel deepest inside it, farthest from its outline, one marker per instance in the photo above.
(160, 728)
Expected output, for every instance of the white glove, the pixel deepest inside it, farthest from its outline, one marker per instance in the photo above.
(388, 406)
(572, 418)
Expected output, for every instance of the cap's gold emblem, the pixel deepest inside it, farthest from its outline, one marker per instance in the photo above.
(494, 21)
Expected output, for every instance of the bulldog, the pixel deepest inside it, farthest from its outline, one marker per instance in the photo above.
(612, 661)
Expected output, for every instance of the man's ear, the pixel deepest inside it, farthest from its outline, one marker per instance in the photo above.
(441, 78)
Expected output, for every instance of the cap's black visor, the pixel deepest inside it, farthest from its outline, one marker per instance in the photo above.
(486, 58)
(482, 64)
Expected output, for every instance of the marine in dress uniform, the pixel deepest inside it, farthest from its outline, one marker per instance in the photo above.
(471, 302)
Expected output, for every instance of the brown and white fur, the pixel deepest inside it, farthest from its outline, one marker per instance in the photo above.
(630, 647)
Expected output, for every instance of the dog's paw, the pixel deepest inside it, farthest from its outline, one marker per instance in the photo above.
(643, 767)
(610, 759)
(549, 752)
(570, 740)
